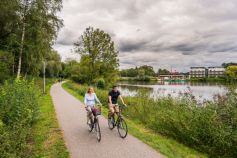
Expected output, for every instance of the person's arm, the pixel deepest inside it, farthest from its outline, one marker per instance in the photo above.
(121, 98)
(110, 99)
(96, 99)
(85, 100)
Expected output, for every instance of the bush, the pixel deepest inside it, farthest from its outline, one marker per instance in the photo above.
(209, 128)
(18, 111)
(100, 83)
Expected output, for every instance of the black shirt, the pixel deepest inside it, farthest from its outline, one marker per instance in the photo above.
(114, 96)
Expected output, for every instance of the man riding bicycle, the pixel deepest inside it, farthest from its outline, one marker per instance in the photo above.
(114, 94)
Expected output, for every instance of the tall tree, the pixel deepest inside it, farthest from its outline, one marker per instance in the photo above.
(231, 71)
(28, 29)
(25, 8)
(98, 55)
(163, 72)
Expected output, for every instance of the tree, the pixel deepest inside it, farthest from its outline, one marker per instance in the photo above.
(149, 71)
(54, 66)
(141, 73)
(231, 72)
(25, 8)
(129, 72)
(225, 65)
(98, 56)
(163, 72)
(6, 63)
(27, 31)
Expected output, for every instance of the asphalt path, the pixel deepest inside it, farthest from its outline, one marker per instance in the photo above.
(82, 144)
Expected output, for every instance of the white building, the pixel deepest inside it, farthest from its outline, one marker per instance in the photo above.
(198, 72)
(216, 71)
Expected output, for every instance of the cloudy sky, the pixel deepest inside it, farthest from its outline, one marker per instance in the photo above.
(160, 33)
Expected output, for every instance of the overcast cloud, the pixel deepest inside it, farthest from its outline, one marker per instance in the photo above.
(161, 33)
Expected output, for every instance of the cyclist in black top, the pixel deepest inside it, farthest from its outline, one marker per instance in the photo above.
(114, 94)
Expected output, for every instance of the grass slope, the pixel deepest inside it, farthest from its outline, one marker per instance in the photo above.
(48, 138)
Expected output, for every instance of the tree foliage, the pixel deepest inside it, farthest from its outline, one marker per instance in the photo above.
(163, 72)
(231, 71)
(98, 56)
(141, 72)
(41, 27)
(225, 65)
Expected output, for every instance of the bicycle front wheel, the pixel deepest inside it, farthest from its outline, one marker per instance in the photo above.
(111, 122)
(90, 125)
(122, 128)
(97, 129)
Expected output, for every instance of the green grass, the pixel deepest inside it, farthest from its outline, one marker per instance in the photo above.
(162, 144)
(47, 136)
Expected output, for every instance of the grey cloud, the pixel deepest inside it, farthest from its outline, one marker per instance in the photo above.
(131, 45)
(177, 33)
(67, 37)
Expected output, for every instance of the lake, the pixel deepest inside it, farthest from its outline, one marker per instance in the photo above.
(201, 91)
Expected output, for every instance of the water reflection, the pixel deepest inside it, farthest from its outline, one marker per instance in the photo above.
(202, 91)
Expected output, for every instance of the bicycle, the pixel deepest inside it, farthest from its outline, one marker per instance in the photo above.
(94, 123)
(120, 122)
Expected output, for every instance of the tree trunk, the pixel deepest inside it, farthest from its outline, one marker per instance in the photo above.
(22, 40)
(21, 51)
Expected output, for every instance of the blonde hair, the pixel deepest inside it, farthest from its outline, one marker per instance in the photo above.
(90, 88)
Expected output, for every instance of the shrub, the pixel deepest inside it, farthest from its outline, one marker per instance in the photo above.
(100, 83)
(18, 111)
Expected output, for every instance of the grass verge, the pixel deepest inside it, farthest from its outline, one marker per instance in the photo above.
(48, 138)
(162, 144)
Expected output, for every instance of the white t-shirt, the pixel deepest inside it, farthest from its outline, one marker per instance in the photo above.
(90, 99)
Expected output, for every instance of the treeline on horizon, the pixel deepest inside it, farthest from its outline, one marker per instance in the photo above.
(147, 71)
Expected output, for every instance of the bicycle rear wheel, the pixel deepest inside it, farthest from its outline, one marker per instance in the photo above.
(122, 128)
(97, 129)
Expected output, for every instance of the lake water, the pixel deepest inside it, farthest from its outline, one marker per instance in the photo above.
(201, 91)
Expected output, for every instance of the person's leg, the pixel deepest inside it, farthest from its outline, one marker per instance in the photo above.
(116, 108)
(89, 114)
(111, 110)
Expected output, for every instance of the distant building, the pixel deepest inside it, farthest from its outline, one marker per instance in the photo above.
(174, 77)
(216, 71)
(198, 72)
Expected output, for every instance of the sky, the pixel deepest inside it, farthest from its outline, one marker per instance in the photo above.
(167, 34)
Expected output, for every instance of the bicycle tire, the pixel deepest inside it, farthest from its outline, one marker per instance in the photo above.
(97, 129)
(111, 122)
(91, 125)
(122, 128)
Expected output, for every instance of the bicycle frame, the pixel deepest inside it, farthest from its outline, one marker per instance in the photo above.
(119, 114)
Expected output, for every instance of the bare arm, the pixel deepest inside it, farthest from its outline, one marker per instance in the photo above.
(110, 100)
(121, 98)
(85, 101)
(97, 100)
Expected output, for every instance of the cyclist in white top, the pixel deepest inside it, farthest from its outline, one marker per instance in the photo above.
(89, 100)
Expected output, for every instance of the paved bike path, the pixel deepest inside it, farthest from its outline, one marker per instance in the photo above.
(82, 144)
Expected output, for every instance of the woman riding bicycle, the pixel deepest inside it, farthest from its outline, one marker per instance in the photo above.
(90, 100)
